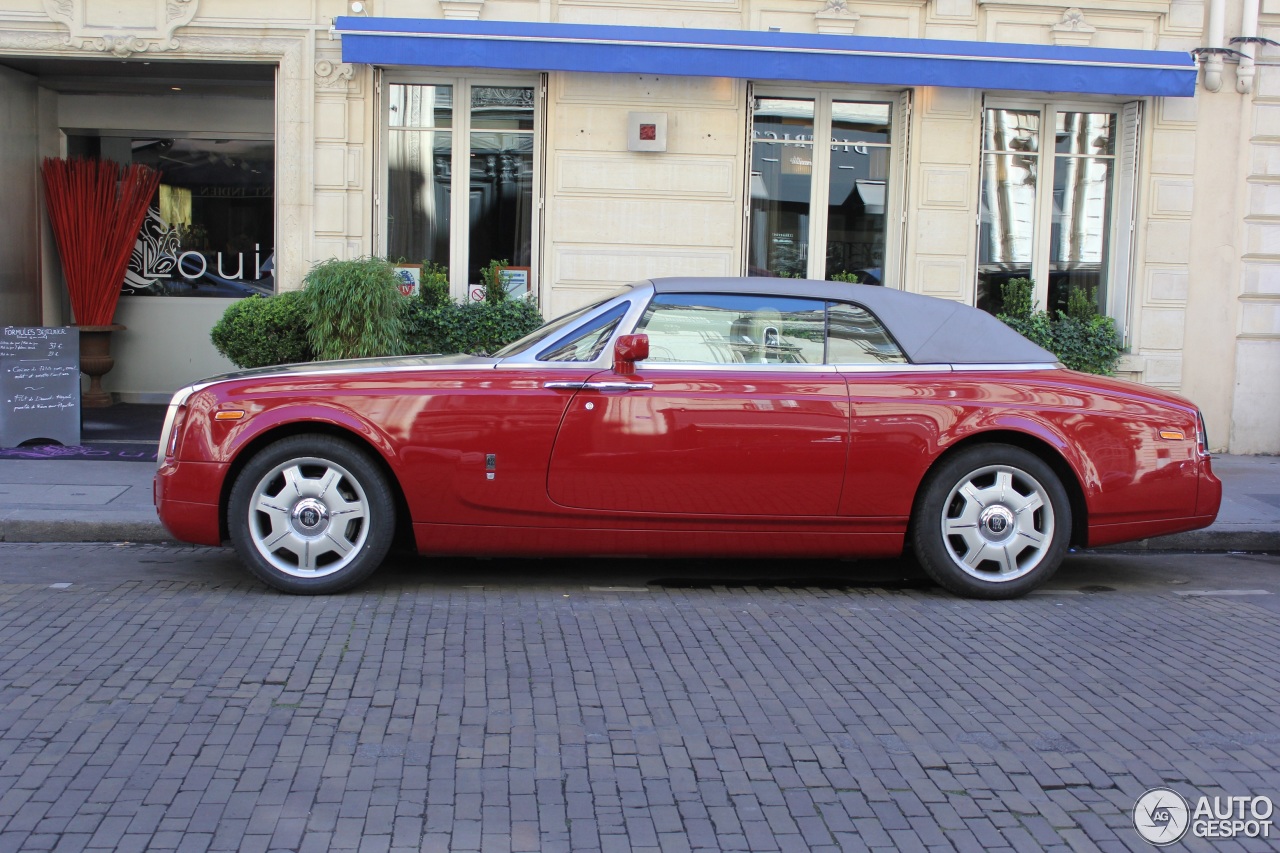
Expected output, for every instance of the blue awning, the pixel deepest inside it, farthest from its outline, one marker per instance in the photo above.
(754, 55)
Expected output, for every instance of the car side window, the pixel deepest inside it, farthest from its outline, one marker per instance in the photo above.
(585, 343)
(854, 336)
(731, 328)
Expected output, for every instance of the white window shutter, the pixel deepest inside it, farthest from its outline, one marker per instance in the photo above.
(1122, 285)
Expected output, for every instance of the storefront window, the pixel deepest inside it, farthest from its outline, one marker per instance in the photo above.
(426, 194)
(501, 202)
(781, 187)
(852, 186)
(1062, 238)
(419, 173)
(211, 229)
(857, 194)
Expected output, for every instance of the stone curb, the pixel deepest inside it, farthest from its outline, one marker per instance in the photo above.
(107, 530)
(138, 530)
(1259, 541)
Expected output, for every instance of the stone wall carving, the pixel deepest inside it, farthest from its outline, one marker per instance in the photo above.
(104, 26)
(330, 75)
(1073, 29)
(836, 18)
(462, 10)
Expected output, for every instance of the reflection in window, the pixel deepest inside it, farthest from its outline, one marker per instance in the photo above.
(781, 186)
(857, 190)
(718, 328)
(586, 344)
(854, 336)
(1067, 247)
(501, 200)
(419, 172)
(492, 198)
(852, 171)
(1006, 237)
(210, 230)
(1083, 172)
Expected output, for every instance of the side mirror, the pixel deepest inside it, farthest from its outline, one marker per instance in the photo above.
(628, 350)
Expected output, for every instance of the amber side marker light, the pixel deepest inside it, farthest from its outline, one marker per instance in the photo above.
(233, 415)
(1172, 434)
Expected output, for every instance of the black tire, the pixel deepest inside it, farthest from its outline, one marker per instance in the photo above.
(993, 521)
(311, 514)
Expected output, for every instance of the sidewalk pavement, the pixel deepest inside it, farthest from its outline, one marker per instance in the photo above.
(55, 500)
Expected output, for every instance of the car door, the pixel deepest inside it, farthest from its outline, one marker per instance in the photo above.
(492, 434)
(895, 416)
(733, 413)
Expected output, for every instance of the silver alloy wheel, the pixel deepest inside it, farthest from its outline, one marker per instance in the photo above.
(308, 517)
(997, 523)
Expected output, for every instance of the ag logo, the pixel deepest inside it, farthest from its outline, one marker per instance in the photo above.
(1161, 816)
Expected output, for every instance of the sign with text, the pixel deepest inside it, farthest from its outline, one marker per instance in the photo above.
(515, 280)
(39, 385)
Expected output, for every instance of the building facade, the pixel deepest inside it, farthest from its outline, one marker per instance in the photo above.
(939, 146)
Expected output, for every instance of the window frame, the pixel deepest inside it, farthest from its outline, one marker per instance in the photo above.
(460, 178)
(1121, 211)
(899, 103)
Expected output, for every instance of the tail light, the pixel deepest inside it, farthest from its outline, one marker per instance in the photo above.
(1202, 434)
(178, 423)
(174, 420)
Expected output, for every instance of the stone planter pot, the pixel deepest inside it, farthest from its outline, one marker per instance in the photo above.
(95, 362)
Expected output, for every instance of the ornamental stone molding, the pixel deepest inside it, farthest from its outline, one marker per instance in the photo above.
(334, 76)
(462, 10)
(836, 18)
(1073, 29)
(122, 29)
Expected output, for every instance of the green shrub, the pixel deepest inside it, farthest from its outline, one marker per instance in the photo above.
(354, 309)
(472, 327)
(1080, 337)
(1090, 346)
(433, 288)
(1019, 299)
(1081, 304)
(263, 331)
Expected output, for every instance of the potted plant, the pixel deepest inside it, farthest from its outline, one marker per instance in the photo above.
(96, 208)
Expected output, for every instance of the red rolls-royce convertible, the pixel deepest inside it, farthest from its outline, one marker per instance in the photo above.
(692, 417)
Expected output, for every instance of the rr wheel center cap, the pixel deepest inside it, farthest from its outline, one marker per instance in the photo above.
(996, 522)
(310, 517)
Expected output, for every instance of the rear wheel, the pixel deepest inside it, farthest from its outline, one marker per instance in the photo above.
(993, 521)
(311, 514)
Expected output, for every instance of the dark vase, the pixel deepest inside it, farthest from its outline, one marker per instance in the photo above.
(95, 362)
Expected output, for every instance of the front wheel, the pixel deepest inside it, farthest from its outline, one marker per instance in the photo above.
(311, 514)
(993, 521)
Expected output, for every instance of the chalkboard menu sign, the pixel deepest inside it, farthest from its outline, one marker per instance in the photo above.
(39, 385)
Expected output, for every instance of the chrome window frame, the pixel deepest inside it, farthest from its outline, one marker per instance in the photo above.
(641, 294)
(638, 296)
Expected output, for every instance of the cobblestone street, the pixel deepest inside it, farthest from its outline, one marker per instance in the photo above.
(156, 698)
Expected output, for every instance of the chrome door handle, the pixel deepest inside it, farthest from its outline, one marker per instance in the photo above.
(618, 386)
(599, 386)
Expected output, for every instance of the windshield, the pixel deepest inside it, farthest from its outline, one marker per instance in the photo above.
(553, 328)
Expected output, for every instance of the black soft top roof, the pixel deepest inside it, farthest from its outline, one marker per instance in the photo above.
(929, 330)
